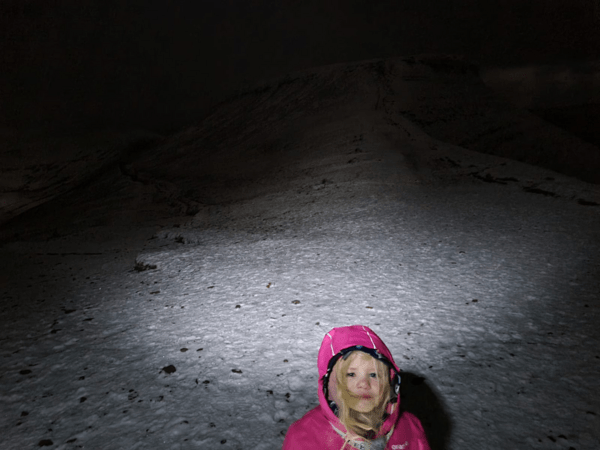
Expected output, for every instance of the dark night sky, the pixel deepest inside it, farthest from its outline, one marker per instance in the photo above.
(161, 65)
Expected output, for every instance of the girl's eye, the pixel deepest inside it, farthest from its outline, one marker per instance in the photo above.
(373, 375)
(350, 374)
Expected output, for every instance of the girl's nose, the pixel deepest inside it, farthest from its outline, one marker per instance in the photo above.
(363, 382)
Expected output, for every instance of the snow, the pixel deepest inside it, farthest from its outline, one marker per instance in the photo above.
(202, 331)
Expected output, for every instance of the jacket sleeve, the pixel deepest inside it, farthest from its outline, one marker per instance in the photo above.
(291, 438)
(420, 438)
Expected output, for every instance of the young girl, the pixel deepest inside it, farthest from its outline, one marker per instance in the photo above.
(359, 399)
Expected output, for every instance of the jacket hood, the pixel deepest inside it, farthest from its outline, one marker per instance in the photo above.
(340, 341)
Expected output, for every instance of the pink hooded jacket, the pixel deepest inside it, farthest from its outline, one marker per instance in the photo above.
(320, 429)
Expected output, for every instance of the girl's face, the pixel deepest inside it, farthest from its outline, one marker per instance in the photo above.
(363, 382)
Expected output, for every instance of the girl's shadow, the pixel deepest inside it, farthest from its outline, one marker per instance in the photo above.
(420, 399)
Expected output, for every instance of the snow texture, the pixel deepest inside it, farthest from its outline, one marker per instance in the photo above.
(201, 331)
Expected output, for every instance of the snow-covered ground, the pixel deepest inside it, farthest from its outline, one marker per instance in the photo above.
(199, 332)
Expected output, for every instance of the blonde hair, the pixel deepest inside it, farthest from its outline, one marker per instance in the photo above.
(363, 424)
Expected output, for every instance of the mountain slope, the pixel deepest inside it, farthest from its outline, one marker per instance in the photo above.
(423, 116)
